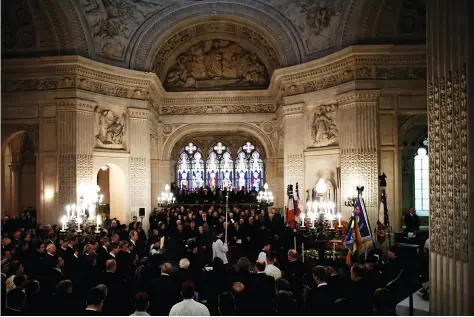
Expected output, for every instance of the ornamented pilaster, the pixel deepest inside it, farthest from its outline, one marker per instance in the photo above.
(293, 130)
(358, 142)
(15, 170)
(449, 133)
(75, 147)
(140, 182)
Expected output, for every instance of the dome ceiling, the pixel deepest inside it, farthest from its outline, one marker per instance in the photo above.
(161, 35)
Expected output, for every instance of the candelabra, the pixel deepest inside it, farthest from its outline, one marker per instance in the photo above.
(320, 209)
(265, 197)
(89, 199)
(166, 198)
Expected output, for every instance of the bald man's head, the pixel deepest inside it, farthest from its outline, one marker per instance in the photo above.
(292, 255)
(110, 266)
(166, 268)
(51, 248)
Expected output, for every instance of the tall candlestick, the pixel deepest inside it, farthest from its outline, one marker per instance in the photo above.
(98, 220)
(79, 221)
(339, 219)
(73, 207)
(68, 210)
(63, 221)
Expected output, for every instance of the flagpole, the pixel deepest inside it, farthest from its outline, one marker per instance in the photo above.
(226, 214)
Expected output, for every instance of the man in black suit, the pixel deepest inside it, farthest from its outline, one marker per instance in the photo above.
(113, 250)
(102, 253)
(50, 258)
(262, 290)
(360, 293)
(163, 292)
(412, 222)
(337, 283)
(125, 261)
(53, 276)
(95, 302)
(320, 300)
(63, 243)
(15, 301)
(116, 300)
(294, 273)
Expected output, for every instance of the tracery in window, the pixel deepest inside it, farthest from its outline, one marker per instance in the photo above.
(422, 182)
(221, 169)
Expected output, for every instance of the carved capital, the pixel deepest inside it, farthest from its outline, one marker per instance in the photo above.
(355, 96)
(137, 113)
(293, 109)
(73, 104)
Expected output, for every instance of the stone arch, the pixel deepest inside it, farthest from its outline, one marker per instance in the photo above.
(262, 140)
(11, 131)
(411, 122)
(263, 16)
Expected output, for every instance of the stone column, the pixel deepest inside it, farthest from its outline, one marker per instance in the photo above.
(15, 172)
(358, 140)
(75, 140)
(140, 179)
(293, 130)
(450, 133)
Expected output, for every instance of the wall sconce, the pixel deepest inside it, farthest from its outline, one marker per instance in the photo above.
(48, 194)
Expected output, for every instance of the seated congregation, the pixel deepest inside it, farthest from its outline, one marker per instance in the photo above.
(183, 266)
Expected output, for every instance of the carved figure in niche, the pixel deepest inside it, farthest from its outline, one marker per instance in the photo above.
(324, 129)
(216, 64)
(110, 129)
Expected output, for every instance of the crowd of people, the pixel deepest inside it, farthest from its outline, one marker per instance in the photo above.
(185, 265)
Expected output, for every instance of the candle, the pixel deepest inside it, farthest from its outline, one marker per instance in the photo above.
(339, 219)
(92, 211)
(98, 220)
(73, 207)
(63, 221)
(68, 210)
(331, 220)
(79, 221)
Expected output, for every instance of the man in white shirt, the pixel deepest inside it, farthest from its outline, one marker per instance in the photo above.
(271, 269)
(262, 256)
(219, 248)
(189, 307)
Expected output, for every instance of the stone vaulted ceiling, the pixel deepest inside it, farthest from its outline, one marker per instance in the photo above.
(189, 43)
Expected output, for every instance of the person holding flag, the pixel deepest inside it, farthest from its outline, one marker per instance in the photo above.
(359, 239)
(290, 209)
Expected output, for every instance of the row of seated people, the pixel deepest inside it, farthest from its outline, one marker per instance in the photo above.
(206, 195)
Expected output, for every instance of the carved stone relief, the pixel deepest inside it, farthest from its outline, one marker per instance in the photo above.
(227, 109)
(109, 129)
(167, 129)
(216, 64)
(112, 22)
(323, 128)
(318, 22)
(268, 127)
(448, 133)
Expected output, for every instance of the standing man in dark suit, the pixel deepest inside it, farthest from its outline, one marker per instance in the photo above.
(294, 273)
(95, 302)
(412, 222)
(337, 283)
(320, 300)
(50, 256)
(113, 251)
(262, 290)
(15, 301)
(102, 253)
(163, 292)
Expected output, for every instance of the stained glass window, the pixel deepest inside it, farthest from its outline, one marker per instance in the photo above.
(249, 167)
(190, 167)
(219, 168)
(422, 182)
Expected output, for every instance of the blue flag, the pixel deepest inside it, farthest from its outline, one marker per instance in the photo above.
(349, 240)
(363, 227)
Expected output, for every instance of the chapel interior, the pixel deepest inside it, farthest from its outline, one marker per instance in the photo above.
(135, 95)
